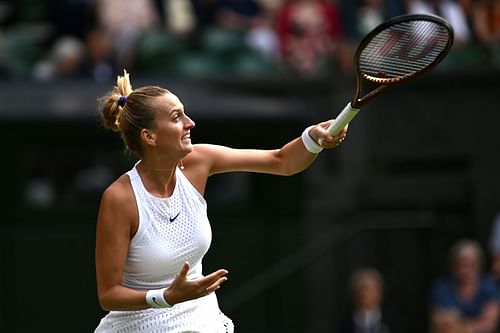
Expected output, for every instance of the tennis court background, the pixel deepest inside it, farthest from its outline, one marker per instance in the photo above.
(419, 169)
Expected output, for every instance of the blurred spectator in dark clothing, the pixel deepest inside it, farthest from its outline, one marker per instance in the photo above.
(494, 246)
(447, 9)
(467, 290)
(204, 11)
(235, 14)
(71, 18)
(309, 32)
(99, 63)
(251, 20)
(367, 315)
(238, 14)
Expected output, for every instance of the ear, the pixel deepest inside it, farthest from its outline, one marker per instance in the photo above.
(148, 137)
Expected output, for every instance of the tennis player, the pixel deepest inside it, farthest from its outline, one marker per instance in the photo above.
(152, 226)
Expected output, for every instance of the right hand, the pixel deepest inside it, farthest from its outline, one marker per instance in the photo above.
(183, 289)
(326, 140)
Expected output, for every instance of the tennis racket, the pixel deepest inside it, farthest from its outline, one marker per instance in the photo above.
(395, 51)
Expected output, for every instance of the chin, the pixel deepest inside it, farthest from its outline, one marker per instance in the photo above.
(188, 148)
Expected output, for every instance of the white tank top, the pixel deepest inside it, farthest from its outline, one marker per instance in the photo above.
(171, 231)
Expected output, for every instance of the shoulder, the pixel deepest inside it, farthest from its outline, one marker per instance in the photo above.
(205, 155)
(206, 148)
(199, 163)
(119, 197)
(119, 191)
(118, 209)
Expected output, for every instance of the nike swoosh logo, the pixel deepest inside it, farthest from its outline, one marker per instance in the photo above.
(154, 300)
(172, 219)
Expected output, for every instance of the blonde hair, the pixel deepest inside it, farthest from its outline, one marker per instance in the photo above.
(132, 115)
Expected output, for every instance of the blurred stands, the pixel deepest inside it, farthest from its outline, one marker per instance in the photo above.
(220, 38)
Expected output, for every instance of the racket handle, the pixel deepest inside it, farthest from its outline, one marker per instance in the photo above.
(341, 120)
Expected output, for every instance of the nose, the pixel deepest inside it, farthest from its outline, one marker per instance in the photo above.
(188, 122)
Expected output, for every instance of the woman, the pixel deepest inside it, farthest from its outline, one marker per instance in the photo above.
(152, 228)
(467, 290)
(367, 313)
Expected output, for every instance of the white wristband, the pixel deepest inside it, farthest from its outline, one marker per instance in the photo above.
(155, 298)
(311, 145)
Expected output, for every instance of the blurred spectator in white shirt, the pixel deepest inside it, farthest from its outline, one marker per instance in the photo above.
(447, 9)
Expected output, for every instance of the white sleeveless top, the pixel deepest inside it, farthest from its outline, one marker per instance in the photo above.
(171, 231)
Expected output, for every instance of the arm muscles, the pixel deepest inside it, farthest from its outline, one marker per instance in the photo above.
(288, 160)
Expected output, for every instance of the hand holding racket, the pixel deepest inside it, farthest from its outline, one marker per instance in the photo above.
(395, 51)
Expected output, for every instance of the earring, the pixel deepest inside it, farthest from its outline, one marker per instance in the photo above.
(181, 166)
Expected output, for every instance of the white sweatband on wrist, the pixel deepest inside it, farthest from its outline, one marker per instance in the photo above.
(311, 145)
(155, 298)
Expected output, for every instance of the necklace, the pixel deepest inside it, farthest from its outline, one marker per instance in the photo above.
(181, 166)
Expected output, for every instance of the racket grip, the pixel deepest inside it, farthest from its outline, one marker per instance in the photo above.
(342, 119)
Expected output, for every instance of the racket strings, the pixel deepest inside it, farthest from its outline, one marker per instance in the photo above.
(403, 50)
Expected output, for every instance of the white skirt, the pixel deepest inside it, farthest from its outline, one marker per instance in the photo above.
(201, 315)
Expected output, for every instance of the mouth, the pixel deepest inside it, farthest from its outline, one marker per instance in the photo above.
(186, 136)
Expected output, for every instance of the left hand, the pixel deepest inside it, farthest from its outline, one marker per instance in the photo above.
(327, 141)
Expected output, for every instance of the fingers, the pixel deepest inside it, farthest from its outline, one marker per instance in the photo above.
(184, 270)
(330, 141)
(183, 289)
(213, 287)
(216, 278)
(212, 282)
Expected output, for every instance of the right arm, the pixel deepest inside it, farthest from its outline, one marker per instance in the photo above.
(117, 223)
(115, 227)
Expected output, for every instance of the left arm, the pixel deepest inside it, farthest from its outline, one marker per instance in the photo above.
(292, 158)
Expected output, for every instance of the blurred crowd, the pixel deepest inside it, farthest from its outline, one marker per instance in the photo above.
(466, 299)
(46, 40)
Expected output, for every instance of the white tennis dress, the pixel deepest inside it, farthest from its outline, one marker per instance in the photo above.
(171, 231)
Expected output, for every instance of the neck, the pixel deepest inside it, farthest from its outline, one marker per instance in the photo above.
(158, 178)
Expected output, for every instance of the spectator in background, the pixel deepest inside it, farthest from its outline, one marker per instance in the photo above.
(494, 245)
(254, 19)
(237, 14)
(449, 10)
(366, 315)
(99, 63)
(309, 32)
(262, 36)
(486, 22)
(125, 21)
(370, 13)
(466, 290)
(63, 61)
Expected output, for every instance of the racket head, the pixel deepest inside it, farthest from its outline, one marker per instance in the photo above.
(402, 48)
